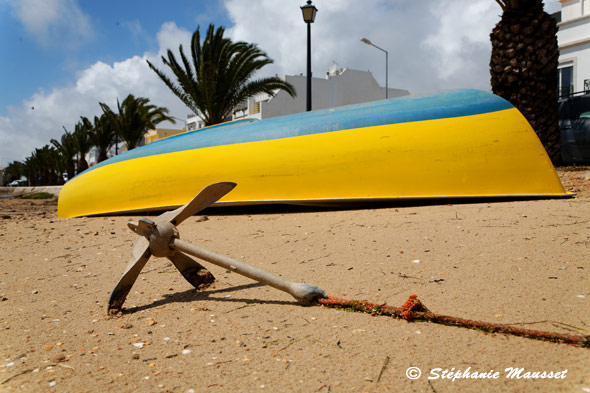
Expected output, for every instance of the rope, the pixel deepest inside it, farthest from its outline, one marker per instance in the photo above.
(414, 310)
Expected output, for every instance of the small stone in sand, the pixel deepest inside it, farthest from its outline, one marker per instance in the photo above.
(60, 357)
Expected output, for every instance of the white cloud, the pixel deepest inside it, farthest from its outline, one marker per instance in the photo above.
(461, 44)
(170, 37)
(25, 128)
(431, 45)
(54, 23)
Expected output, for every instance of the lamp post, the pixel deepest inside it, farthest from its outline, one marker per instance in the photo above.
(366, 41)
(308, 12)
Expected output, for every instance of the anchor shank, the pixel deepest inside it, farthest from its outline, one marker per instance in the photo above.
(232, 265)
(304, 293)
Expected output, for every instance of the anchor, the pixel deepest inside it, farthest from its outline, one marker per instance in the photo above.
(160, 238)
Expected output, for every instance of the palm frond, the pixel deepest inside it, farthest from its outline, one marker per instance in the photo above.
(220, 75)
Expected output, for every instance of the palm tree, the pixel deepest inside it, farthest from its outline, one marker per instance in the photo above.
(67, 150)
(523, 67)
(14, 171)
(219, 78)
(82, 142)
(44, 166)
(32, 169)
(55, 165)
(102, 136)
(135, 117)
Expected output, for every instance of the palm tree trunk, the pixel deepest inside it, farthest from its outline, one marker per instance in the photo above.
(70, 168)
(82, 164)
(523, 69)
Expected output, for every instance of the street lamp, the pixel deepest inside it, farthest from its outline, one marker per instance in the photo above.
(366, 41)
(308, 12)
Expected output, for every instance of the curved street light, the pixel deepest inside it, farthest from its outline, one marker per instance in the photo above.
(366, 41)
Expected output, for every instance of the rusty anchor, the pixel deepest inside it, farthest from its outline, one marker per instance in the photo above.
(160, 238)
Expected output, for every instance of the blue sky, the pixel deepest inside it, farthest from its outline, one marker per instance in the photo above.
(62, 57)
(114, 30)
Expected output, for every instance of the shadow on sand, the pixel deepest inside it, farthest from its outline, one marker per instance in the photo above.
(192, 295)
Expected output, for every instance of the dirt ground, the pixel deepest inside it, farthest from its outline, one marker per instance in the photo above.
(519, 262)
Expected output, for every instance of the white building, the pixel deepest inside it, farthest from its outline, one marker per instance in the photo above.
(574, 47)
(339, 87)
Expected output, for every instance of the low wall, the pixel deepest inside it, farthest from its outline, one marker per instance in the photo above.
(16, 191)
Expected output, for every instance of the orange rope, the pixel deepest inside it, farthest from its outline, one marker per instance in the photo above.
(414, 310)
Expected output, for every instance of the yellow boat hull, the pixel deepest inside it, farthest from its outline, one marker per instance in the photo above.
(495, 154)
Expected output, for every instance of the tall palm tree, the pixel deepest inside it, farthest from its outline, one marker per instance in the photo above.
(67, 150)
(82, 142)
(55, 163)
(220, 76)
(32, 169)
(135, 117)
(102, 136)
(523, 67)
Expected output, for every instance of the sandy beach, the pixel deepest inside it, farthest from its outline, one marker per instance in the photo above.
(515, 262)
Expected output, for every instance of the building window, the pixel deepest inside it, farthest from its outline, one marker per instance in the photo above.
(255, 108)
(566, 81)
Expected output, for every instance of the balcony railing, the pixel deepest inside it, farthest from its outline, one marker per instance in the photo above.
(566, 91)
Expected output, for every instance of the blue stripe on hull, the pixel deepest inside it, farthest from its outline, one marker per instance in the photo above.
(413, 108)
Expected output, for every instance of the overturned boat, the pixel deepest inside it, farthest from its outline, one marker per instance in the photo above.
(454, 144)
